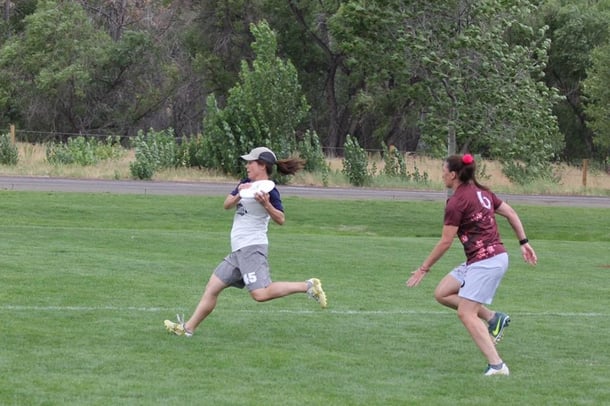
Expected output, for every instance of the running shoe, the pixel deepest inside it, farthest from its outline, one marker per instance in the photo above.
(316, 292)
(497, 326)
(492, 371)
(177, 328)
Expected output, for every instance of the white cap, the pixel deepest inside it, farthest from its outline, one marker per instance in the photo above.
(262, 153)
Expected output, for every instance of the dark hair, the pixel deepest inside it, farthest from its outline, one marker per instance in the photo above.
(465, 167)
(288, 166)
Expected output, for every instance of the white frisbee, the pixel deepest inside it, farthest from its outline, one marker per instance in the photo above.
(265, 186)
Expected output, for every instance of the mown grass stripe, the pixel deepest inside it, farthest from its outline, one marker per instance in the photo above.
(279, 311)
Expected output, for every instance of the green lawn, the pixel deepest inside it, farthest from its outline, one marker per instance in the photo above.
(86, 281)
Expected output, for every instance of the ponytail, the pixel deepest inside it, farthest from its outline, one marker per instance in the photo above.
(465, 167)
(288, 166)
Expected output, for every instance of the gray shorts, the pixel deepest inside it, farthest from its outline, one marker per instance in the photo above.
(480, 280)
(247, 266)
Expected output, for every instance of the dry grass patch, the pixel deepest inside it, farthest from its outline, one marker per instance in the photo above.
(571, 178)
(33, 162)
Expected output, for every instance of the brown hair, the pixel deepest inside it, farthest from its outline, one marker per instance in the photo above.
(288, 166)
(465, 167)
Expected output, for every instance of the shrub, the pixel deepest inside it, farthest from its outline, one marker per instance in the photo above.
(192, 153)
(83, 151)
(417, 176)
(396, 166)
(310, 150)
(394, 161)
(154, 151)
(109, 149)
(9, 155)
(142, 170)
(521, 173)
(355, 163)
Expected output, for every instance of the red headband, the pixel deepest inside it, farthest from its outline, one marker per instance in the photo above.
(467, 159)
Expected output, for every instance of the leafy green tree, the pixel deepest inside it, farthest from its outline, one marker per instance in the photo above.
(155, 78)
(373, 40)
(264, 108)
(597, 107)
(305, 36)
(45, 72)
(14, 14)
(575, 28)
(219, 40)
(452, 65)
(63, 74)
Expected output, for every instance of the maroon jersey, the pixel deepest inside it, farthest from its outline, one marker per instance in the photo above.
(472, 210)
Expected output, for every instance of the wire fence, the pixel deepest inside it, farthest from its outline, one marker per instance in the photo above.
(45, 137)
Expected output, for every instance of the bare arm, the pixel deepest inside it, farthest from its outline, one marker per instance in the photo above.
(276, 215)
(513, 219)
(528, 253)
(231, 201)
(437, 252)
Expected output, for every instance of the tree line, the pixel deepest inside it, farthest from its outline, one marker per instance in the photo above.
(520, 81)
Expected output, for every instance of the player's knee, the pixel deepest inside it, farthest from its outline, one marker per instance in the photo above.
(260, 295)
(440, 297)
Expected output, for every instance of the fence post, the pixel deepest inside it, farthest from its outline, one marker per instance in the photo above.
(12, 126)
(585, 167)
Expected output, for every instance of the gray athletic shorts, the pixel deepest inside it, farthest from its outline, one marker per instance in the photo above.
(247, 266)
(480, 280)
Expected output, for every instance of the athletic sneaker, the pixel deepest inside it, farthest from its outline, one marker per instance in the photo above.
(497, 326)
(316, 292)
(177, 328)
(492, 371)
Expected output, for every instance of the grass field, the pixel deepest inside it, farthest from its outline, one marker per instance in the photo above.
(87, 280)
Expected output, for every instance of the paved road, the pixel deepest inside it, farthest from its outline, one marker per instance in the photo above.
(221, 189)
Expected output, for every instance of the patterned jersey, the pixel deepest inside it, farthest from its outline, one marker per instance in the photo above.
(472, 210)
(251, 220)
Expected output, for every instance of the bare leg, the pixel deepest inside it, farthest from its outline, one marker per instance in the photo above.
(278, 289)
(468, 313)
(207, 303)
(446, 293)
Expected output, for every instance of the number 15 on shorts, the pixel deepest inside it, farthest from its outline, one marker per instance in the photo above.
(249, 277)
